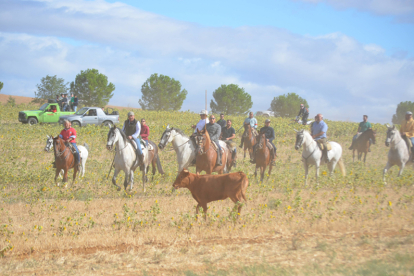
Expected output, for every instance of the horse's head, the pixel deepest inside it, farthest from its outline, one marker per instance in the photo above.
(391, 132)
(262, 141)
(49, 143)
(58, 143)
(166, 137)
(202, 141)
(112, 138)
(300, 137)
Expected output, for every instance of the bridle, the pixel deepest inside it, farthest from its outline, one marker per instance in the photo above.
(200, 144)
(168, 138)
(301, 143)
(260, 144)
(112, 138)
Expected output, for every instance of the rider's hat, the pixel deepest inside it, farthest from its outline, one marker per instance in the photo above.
(301, 104)
(408, 113)
(130, 113)
(267, 121)
(203, 112)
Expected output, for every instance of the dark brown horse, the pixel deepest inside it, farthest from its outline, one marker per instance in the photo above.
(64, 159)
(207, 155)
(263, 157)
(362, 144)
(249, 140)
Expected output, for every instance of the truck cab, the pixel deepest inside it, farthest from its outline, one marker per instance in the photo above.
(47, 113)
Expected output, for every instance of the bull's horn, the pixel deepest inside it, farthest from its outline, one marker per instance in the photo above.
(168, 126)
(388, 125)
(295, 130)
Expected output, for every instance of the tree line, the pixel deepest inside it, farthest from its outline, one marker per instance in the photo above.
(160, 92)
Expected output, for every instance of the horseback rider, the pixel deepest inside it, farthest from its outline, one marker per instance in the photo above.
(407, 130)
(270, 136)
(222, 122)
(318, 132)
(227, 135)
(363, 126)
(214, 131)
(144, 131)
(132, 129)
(200, 126)
(68, 134)
(304, 111)
(253, 123)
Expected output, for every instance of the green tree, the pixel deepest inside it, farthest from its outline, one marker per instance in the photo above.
(1, 85)
(402, 108)
(287, 105)
(231, 100)
(162, 93)
(92, 88)
(11, 101)
(49, 87)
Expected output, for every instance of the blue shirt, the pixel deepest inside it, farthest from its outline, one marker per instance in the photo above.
(251, 121)
(318, 127)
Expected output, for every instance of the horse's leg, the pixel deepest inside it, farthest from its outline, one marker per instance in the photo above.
(401, 169)
(270, 169)
(114, 178)
(353, 155)
(131, 180)
(144, 176)
(262, 172)
(255, 171)
(75, 171)
(154, 167)
(331, 167)
(365, 156)
(387, 167)
(317, 173)
(57, 173)
(306, 167)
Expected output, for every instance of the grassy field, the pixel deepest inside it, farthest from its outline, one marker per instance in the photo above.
(345, 225)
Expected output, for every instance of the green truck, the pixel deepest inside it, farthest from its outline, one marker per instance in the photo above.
(47, 113)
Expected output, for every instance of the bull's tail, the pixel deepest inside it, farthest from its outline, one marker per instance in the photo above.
(342, 166)
(244, 185)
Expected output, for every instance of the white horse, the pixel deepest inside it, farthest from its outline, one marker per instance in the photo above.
(398, 154)
(125, 157)
(83, 153)
(311, 154)
(182, 144)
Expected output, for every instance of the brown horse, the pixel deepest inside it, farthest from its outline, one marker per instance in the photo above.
(207, 155)
(249, 140)
(362, 144)
(64, 159)
(263, 157)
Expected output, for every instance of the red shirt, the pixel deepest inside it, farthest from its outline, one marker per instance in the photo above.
(144, 132)
(54, 110)
(65, 134)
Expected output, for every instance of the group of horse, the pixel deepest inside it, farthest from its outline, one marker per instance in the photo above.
(205, 153)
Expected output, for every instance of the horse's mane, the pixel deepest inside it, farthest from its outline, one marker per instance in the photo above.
(120, 131)
(180, 132)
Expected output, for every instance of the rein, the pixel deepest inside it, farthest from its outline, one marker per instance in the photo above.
(173, 149)
(316, 146)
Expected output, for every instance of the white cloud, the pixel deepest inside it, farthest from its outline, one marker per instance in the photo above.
(402, 9)
(335, 73)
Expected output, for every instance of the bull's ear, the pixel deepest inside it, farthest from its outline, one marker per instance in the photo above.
(185, 170)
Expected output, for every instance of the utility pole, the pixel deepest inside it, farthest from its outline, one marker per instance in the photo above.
(206, 100)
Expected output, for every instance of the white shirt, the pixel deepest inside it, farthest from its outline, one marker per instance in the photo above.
(200, 125)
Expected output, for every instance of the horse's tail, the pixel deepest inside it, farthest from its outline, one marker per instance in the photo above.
(342, 166)
(86, 146)
(159, 167)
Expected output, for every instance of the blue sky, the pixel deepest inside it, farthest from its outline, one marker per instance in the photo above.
(347, 58)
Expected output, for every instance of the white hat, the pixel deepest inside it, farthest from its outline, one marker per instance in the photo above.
(408, 113)
(203, 112)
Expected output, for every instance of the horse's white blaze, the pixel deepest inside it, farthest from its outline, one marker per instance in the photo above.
(398, 154)
(311, 155)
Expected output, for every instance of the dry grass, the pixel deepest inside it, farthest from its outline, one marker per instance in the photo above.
(346, 225)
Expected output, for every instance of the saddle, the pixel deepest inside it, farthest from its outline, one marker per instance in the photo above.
(269, 146)
(215, 147)
(143, 146)
(408, 143)
(328, 145)
(71, 148)
(231, 145)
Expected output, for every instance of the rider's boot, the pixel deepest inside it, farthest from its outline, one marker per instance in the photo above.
(241, 144)
(218, 163)
(253, 160)
(352, 145)
(273, 158)
(54, 164)
(326, 155)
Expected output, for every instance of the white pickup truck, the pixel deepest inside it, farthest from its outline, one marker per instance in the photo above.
(91, 116)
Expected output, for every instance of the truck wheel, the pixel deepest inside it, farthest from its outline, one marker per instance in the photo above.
(32, 121)
(76, 124)
(107, 124)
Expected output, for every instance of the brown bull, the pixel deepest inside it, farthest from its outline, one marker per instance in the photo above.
(208, 188)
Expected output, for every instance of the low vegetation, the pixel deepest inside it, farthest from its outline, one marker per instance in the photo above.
(344, 225)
